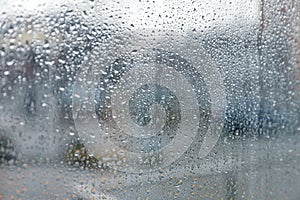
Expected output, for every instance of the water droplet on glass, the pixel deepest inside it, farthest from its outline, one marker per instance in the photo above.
(6, 73)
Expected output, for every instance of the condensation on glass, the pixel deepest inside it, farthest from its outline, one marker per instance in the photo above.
(149, 99)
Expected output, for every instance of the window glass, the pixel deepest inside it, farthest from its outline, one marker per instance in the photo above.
(141, 99)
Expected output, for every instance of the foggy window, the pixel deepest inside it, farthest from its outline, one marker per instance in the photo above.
(136, 99)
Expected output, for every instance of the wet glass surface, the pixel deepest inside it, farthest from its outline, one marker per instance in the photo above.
(149, 99)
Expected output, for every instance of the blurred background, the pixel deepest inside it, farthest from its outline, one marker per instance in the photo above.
(149, 99)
